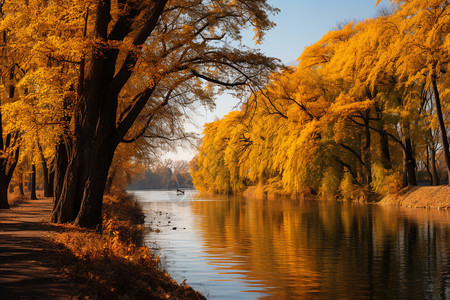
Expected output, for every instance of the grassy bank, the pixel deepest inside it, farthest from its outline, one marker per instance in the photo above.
(116, 265)
(420, 197)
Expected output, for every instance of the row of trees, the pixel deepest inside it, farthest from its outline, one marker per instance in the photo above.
(164, 175)
(366, 108)
(90, 86)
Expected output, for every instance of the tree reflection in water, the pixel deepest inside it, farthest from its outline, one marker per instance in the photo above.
(317, 249)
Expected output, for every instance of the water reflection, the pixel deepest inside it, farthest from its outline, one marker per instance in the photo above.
(284, 249)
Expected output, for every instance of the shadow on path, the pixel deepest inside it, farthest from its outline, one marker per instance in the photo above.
(28, 261)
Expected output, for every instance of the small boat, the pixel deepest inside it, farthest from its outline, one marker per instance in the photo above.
(180, 192)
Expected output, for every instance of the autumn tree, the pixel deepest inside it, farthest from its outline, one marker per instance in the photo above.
(221, 157)
(134, 58)
(360, 110)
(425, 29)
(9, 139)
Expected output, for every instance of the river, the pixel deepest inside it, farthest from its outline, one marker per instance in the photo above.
(237, 248)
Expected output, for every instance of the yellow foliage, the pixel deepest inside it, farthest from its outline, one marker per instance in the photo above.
(331, 182)
(347, 188)
(386, 182)
(318, 127)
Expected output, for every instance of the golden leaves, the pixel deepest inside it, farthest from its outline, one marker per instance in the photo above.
(313, 127)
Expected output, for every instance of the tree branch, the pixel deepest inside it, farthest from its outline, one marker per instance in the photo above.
(130, 61)
(123, 25)
(395, 139)
(149, 120)
(228, 84)
(353, 152)
(139, 103)
(349, 168)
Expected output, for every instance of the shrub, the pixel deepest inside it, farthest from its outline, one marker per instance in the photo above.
(385, 181)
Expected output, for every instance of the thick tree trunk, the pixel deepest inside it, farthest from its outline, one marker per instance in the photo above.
(33, 183)
(81, 195)
(80, 200)
(7, 167)
(6, 171)
(4, 182)
(94, 181)
(444, 138)
(62, 212)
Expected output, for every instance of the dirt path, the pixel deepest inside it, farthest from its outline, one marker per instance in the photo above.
(28, 269)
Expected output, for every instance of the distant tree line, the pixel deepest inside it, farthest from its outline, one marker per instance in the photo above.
(166, 175)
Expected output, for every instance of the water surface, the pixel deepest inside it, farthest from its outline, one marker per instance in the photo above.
(237, 248)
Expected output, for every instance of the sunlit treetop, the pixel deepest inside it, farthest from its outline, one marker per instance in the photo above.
(321, 52)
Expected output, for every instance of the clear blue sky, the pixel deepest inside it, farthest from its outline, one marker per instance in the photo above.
(300, 23)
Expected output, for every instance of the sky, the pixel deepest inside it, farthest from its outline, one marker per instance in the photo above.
(300, 23)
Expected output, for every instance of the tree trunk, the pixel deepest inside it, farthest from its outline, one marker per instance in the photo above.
(434, 172)
(431, 165)
(367, 153)
(51, 181)
(48, 189)
(6, 171)
(7, 166)
(33, 183)
(47, 192)
(385, 153)
(81, 196)
(110, 180)
(444, 138)
(94, 186)
(90, 156)
(61, 166)
(60, 163)
(384, 140)
(405, 171)
(21, 192)
(409, 163)
(4, 182)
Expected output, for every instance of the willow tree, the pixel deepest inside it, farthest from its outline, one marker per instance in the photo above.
(425, 33)
(420, 55)
(135, 58)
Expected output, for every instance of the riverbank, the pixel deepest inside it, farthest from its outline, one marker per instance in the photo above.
(420, 197)
(117, 264)
(73, 263)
